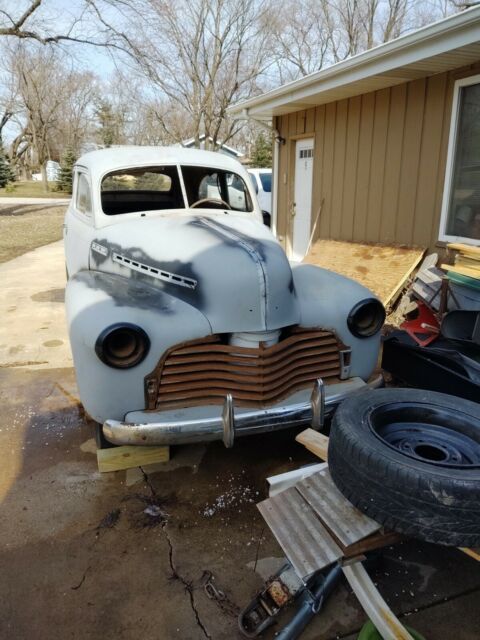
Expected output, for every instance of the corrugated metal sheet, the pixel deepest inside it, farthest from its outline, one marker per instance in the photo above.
(346, 522)
(305, 541)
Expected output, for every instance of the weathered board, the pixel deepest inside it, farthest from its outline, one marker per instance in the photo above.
(315, 442)
(126, 457)
(383, 269)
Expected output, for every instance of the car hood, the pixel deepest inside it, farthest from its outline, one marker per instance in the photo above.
(229, 267)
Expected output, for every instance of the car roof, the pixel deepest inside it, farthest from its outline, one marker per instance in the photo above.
(124, 157)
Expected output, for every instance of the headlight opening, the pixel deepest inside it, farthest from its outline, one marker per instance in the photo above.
(122, 345)
(366, 318)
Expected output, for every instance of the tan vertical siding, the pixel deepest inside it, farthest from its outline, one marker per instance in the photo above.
(379, 162)
(377, 172)
(364, 166)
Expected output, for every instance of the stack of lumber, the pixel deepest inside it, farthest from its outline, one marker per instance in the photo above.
(467, 264)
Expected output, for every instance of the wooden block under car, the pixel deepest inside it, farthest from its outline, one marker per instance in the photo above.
(126, 457)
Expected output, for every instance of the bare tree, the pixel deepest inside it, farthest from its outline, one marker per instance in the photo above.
(83, 22)
(198, 56)
(54, 101)
(321, 32)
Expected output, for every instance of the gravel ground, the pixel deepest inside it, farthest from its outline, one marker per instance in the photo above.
(25, 227)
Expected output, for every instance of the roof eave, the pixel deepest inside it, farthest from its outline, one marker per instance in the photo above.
(446, 35)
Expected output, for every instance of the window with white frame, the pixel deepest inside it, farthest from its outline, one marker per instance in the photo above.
(460, 219)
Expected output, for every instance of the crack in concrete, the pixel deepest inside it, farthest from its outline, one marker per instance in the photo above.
(175, 574)
(188, 585)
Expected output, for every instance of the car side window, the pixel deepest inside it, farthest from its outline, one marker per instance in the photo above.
(83, 198)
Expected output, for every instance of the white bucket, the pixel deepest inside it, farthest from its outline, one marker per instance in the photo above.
(253, 339)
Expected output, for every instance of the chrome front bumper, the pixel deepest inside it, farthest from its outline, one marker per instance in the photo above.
(230, 424)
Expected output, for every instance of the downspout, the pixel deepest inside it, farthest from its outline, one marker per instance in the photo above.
(276, 149)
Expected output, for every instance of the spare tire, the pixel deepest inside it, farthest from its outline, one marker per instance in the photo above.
(410, 459)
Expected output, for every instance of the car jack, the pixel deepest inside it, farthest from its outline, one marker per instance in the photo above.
(280, 591)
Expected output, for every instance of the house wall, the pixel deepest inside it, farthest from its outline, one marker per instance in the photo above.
(379, 163)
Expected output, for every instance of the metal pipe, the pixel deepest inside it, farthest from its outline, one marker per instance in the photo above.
(311, 603)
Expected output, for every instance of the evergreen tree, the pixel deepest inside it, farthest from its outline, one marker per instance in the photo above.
(6, 172)
(66, 171)
(261, 156)
(110, 124)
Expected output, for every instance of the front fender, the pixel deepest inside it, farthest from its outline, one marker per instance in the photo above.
(326, 298)
(96, 300)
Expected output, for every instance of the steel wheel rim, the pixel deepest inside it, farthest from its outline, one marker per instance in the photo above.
(439, 436)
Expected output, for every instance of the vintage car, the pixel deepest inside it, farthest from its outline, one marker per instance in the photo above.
(187, 322)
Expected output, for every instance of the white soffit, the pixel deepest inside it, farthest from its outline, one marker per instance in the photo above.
(448, 44)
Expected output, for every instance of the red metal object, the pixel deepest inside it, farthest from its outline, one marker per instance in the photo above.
(424, 329)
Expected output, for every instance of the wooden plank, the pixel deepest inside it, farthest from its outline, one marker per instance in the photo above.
(305, 541)
(463, 271)
(315, 442)
(471, 263)
(473, 553)
(340, 517)
(377, 540)
(363, 171)
(465, 248)
(381, 268)
(126, 457)
(397, 289)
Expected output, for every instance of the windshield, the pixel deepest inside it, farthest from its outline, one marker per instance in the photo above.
(157, 188)
(215, 188)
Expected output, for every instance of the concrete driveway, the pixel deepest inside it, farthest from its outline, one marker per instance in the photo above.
(33, 331)
(80, 558)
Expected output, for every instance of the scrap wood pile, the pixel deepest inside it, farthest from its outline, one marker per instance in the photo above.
(466, 268)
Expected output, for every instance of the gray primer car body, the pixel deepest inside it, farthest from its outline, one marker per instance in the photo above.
(183, 275)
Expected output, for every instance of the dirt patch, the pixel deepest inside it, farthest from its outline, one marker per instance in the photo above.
(51, 295)
(26, 227)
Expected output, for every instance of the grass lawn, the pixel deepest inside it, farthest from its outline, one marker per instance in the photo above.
(25, 227)
(31, 189)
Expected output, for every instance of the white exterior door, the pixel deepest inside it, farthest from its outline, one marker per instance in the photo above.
(302, 206)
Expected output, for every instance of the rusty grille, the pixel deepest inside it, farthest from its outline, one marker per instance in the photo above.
(204, 371)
